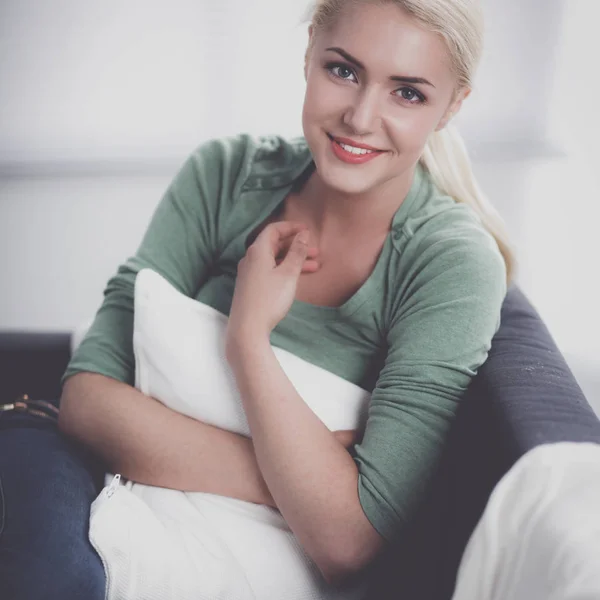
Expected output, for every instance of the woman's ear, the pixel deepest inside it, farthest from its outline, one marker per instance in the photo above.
(454, 107)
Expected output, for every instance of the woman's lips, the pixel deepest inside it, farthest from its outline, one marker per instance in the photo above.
(351, 158)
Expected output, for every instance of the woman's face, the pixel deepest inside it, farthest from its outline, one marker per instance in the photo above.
(376, 79)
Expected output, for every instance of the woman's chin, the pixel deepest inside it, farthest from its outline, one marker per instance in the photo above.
(347, 187)
(344, 182)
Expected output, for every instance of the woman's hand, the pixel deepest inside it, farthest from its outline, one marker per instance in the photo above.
(266, 281)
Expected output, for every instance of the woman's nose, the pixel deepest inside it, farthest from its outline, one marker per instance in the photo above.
(364, 115)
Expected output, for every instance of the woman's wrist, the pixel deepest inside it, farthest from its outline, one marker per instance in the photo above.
(241, 345)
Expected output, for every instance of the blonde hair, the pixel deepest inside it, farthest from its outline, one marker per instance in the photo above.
(460, 23)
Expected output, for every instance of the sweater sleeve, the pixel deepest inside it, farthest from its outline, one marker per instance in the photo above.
(439, 334)
(181, 243)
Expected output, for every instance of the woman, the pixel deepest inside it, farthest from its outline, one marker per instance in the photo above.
(364, 247)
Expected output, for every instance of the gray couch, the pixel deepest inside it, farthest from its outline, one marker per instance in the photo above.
(523, 396)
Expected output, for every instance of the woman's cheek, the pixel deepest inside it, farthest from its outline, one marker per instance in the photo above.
(412, 130)
(323, 102)
(327, 98)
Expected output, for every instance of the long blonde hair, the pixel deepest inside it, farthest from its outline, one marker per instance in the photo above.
(460, 23)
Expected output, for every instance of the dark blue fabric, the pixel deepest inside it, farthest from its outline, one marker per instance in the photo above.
(32, 363)
(46, 487)
(532, 395)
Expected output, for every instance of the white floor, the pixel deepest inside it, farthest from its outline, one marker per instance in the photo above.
(61, 237)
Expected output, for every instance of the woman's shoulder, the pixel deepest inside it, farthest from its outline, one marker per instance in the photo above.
(443, 245)
(438, 224)
(254, 161)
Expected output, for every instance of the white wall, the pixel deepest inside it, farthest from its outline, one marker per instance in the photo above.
(100, 102)
(85, 82)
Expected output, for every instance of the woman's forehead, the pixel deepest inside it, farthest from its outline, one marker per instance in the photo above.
(388, 42)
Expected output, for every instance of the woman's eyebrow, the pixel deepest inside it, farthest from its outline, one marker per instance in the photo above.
(357, 63)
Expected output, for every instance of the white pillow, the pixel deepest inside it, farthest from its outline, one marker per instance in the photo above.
(179, 346)
(539, 536)
(162, 544)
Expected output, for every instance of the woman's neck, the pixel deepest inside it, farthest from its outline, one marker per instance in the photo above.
(331, 212)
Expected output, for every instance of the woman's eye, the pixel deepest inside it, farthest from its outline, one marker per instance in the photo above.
(341, 71)
(411, 95)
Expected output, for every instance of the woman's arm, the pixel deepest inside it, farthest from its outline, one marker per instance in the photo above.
(314, 481)
(149, 443)
(312, 477)
(133, 433)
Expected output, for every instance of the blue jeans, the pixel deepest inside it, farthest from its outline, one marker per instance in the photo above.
(47, 484)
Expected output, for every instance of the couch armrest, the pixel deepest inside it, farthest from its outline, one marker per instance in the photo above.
(533, 395)
(523, 396)
(33, 364)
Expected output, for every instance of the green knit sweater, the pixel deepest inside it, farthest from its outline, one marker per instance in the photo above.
(414, 334)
